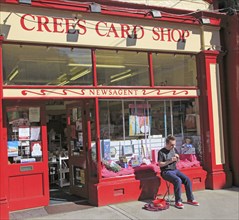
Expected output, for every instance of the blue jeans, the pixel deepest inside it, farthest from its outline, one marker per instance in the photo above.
(177, 178)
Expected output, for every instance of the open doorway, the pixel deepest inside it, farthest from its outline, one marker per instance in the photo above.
(58, 159)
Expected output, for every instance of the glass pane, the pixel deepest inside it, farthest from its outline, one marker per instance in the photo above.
(76, 132)
(93, 153)
(40, 65)
(160, 118)
(122, 68)
(180, 118)
(139, 118)
(24, 134)
(174, 70)
(111, 123)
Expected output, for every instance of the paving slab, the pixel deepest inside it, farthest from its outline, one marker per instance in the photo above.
(214, 204)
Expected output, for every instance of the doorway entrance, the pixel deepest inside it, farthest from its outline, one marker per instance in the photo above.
(69, 136)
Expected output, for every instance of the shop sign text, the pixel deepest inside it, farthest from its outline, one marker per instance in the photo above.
(103, 29)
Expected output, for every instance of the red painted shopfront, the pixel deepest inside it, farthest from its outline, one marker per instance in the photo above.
(87, 100)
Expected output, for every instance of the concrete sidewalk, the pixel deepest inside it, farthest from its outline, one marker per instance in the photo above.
(214, 204)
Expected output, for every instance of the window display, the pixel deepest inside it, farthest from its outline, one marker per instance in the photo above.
(24, 134)
(144, 126)
(139, 120)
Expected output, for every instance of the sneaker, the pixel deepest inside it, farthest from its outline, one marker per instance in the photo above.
(179, 205)
(193, 202)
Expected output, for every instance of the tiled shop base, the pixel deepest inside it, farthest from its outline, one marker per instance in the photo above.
(67, 207)
(48, 210)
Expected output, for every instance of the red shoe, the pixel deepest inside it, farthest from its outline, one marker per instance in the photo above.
(179, 205)
(193, 202)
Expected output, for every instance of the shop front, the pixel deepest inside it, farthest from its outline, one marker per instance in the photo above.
(88, 101)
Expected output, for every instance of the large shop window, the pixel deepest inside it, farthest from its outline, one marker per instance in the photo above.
(42, 65)
(132, 132)
(24, 134)
(62, 66)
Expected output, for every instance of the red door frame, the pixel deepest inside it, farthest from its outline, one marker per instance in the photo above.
(28, 189)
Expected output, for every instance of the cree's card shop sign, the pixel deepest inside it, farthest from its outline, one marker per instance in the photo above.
(58, 27)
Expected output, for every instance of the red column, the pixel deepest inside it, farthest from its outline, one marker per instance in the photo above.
(215, 160)
(4, 207)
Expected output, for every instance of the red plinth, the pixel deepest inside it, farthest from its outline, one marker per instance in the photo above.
(4, 209)
(145, 183)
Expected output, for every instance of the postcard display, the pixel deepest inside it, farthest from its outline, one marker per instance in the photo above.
(24, 134)
(116, 154)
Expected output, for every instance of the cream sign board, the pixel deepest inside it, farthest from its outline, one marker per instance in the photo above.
(100, 92)
(27, 24)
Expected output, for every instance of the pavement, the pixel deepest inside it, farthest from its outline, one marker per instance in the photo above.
(214, 204)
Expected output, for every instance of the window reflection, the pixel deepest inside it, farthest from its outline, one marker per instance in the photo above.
(38, 65)
(122, 68)
(60, 66)
(174, 70)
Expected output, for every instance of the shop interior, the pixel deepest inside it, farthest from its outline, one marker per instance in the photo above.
(58, 160)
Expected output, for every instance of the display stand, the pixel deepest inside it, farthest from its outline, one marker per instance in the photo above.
(63, 171)
(59, 172)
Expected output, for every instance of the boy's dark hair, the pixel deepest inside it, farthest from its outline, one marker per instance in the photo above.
(170, 138)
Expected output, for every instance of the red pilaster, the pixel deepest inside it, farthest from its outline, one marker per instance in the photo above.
(4, 206)
(218, 175)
